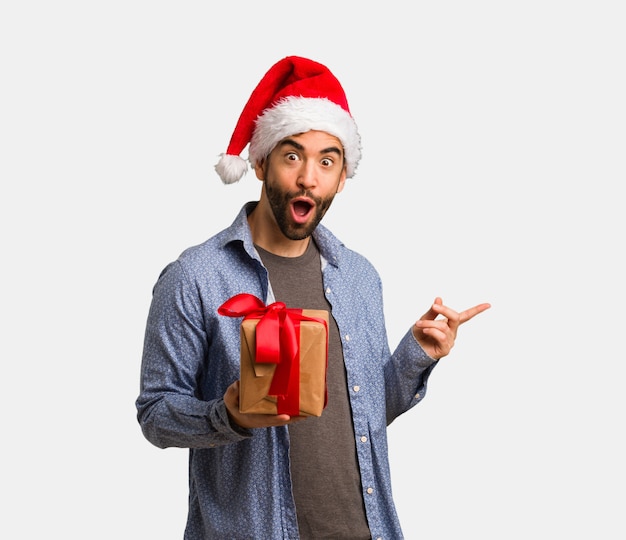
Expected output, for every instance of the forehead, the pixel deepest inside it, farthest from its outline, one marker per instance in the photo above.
(313, 141)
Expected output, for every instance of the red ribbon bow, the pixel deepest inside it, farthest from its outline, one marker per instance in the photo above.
(277, 342)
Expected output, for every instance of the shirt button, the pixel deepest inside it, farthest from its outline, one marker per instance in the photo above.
(356, 388)
(328, 290)
(417, 396)
(363, 438)
(370, 491)
(347, 337)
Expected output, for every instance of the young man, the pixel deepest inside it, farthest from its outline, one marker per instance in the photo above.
(271, 476)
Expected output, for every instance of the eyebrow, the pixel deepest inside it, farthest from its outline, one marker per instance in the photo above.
(298, 146)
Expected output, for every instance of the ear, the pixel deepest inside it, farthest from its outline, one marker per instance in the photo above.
(342, 181)
(259, 169)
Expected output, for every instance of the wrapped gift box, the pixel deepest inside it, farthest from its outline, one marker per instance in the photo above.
(256, 378)
(291, 378)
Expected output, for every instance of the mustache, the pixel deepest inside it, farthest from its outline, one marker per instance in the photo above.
(304, 193)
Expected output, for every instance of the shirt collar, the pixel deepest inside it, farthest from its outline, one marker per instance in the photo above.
(328, 245)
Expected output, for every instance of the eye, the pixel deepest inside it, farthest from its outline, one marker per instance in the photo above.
(327, 162)
(291, 156)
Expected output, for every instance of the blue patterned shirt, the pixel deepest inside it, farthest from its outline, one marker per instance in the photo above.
(239, 479)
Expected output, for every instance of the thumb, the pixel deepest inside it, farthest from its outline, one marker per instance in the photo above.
(431, 314)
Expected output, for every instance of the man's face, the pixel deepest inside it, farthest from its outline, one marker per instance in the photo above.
(301, 177)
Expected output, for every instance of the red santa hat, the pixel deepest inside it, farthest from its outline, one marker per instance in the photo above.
(296, 95)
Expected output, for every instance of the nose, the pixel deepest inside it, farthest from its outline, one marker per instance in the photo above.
(307, 175)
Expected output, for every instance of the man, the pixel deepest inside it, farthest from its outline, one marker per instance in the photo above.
(271, 476)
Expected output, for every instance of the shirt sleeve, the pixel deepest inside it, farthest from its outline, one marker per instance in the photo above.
(406, 376)
(175, 347)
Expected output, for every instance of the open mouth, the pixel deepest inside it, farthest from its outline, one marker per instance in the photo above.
(301, 210)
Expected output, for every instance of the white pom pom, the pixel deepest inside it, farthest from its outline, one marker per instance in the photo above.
(231, 168)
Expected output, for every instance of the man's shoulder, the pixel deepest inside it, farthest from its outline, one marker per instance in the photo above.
(217, 246)
(337, 253)
(209, 250)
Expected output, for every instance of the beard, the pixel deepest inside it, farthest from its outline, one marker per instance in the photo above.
(280, 203)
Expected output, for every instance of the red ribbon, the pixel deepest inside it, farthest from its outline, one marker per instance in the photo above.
(277, 342)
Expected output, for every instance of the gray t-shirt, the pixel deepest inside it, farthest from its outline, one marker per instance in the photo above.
(324, 471)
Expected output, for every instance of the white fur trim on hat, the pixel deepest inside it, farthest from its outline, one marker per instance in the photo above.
(294, 115)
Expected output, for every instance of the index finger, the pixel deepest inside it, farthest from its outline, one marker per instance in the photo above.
(468, 314)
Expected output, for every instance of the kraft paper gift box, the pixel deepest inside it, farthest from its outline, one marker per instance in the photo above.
(291, 378)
